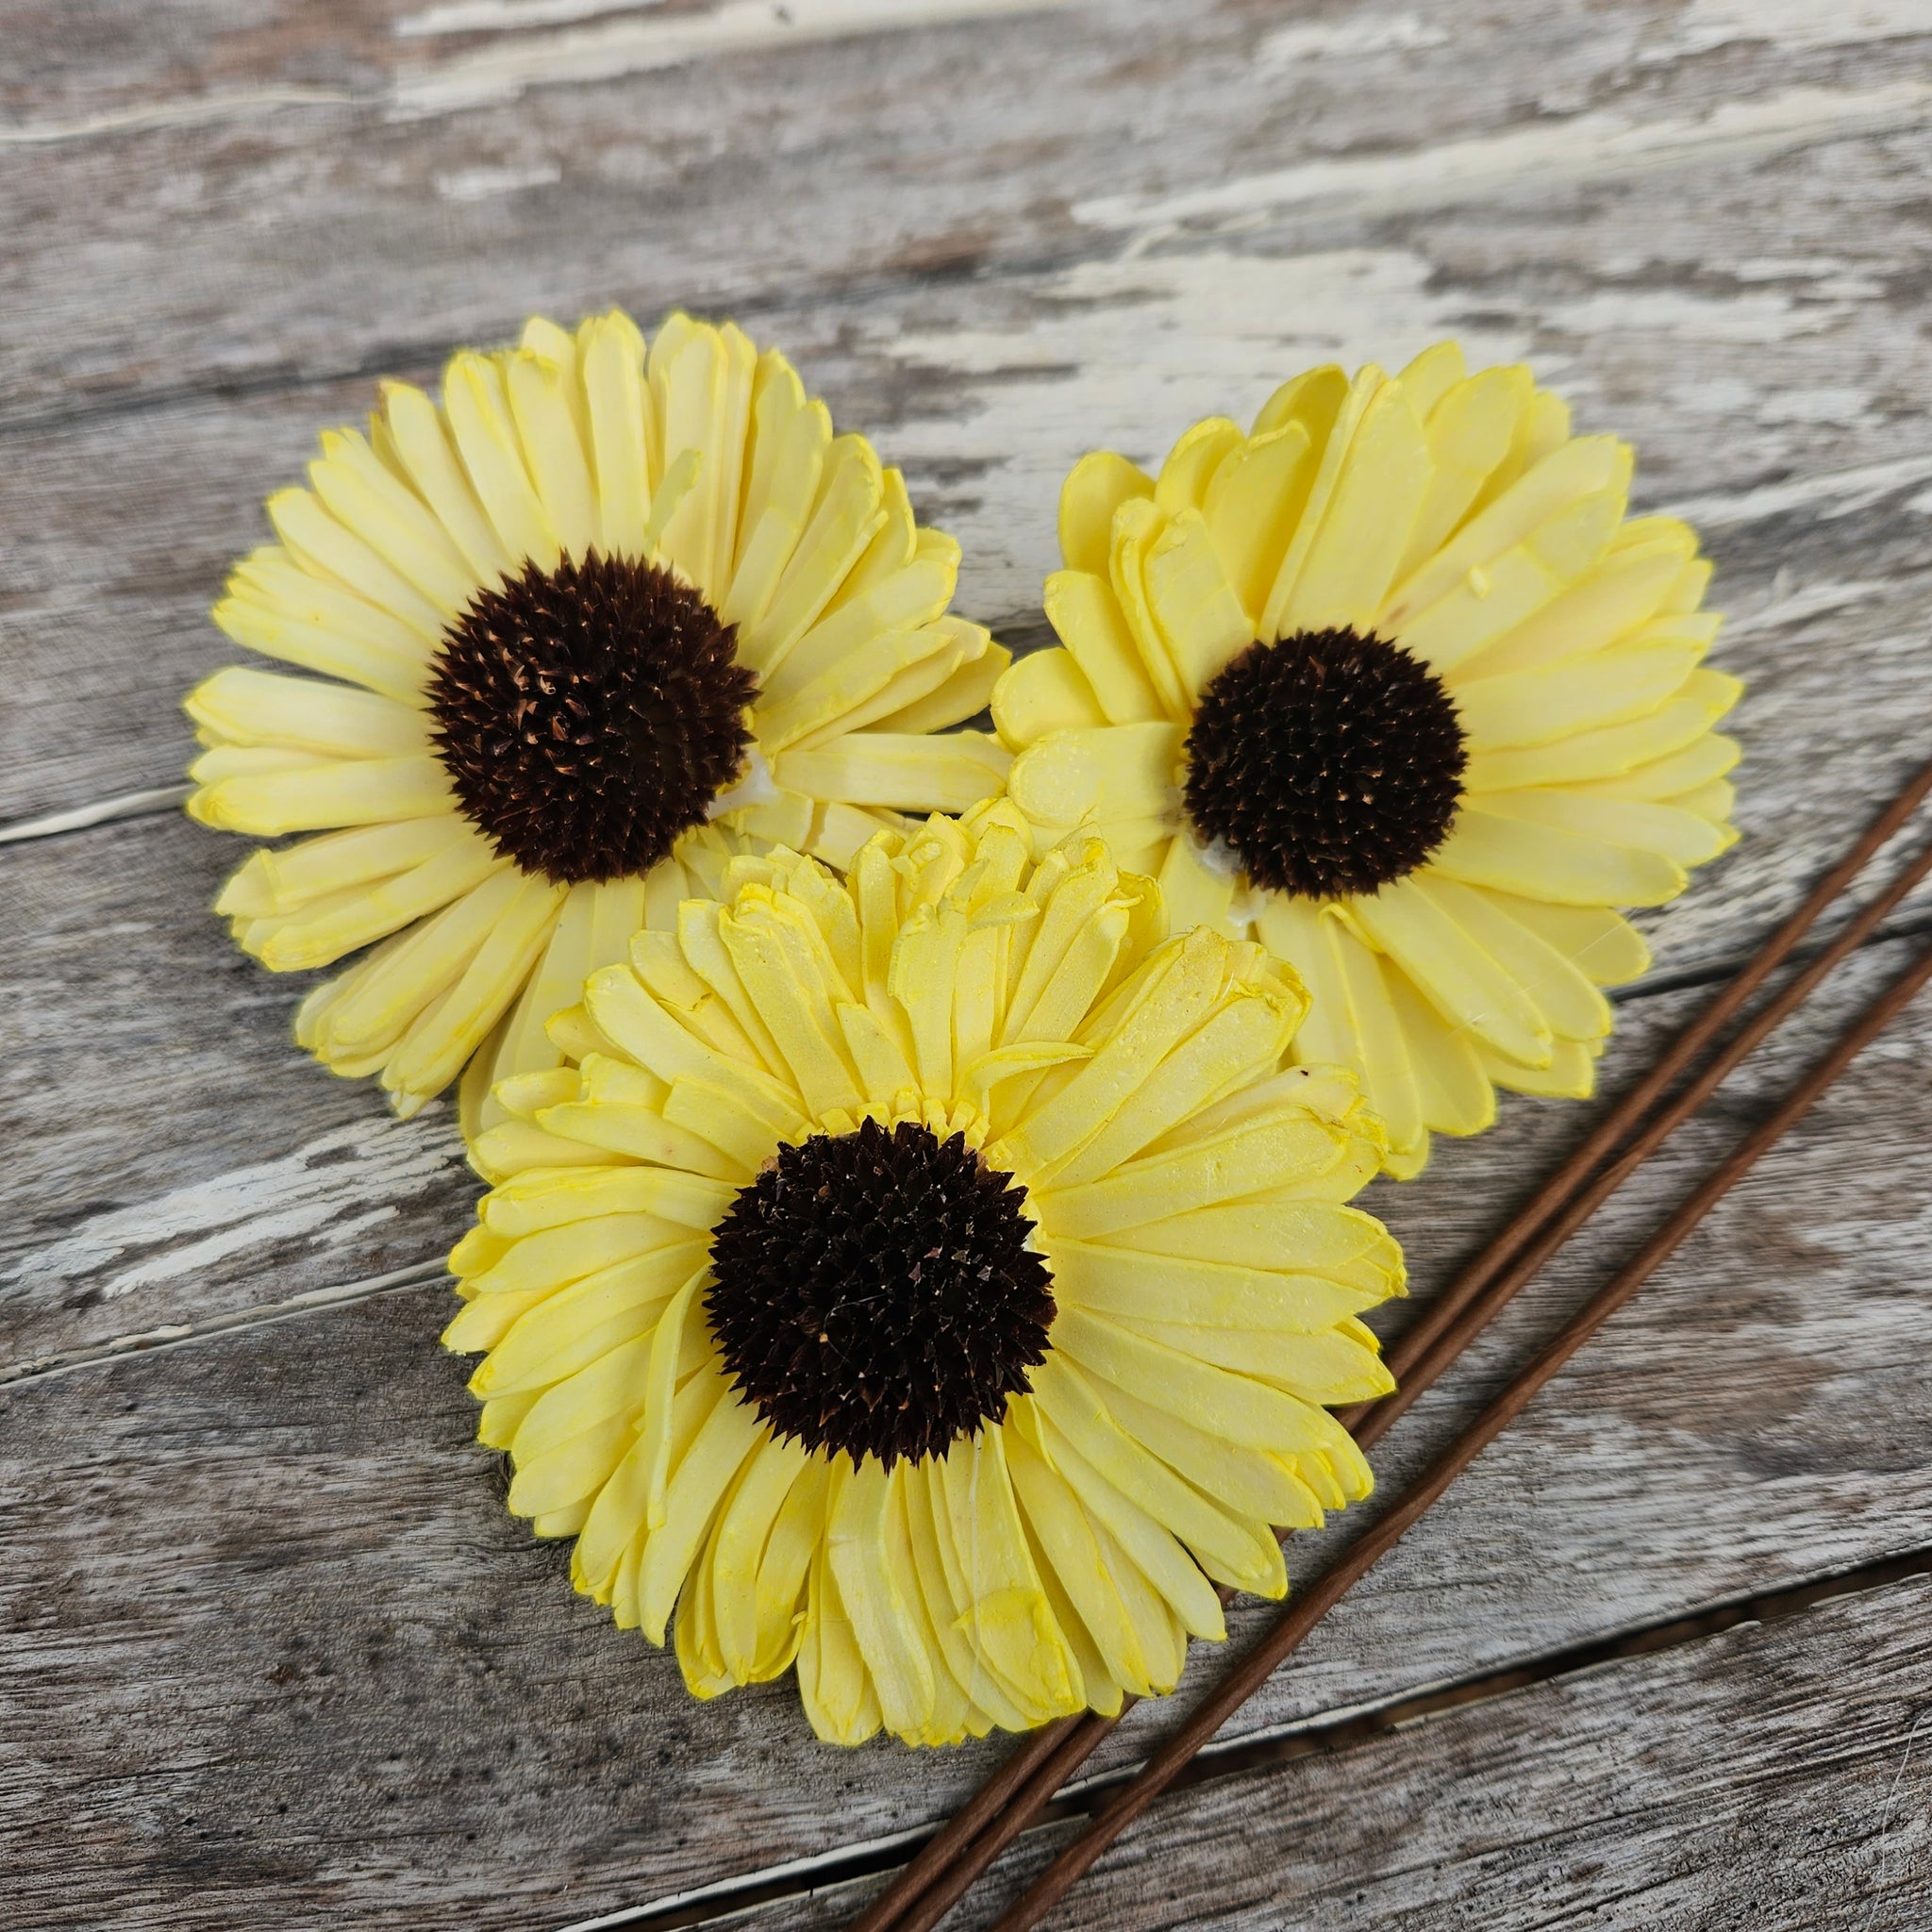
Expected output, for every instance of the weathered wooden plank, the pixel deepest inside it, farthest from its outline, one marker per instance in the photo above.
(1748, 330)
(559, 150)
(1758, 1416)
(170, 1154)
(1770, 1777)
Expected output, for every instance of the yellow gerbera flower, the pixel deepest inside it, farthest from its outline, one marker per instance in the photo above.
(931, 1278)
(597, 617)
(1391, 682)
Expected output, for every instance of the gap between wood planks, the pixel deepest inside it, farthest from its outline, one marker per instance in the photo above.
(1259, 1753)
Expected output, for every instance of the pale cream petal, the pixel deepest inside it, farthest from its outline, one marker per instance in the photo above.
(388, 515)
(481, 424)
(322, 545)
(423, 445)
(259, 707)
(540, 386)
(359, 791)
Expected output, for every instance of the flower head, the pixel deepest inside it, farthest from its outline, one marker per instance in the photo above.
(595, 620)
(1393, 684)
(931, 1279)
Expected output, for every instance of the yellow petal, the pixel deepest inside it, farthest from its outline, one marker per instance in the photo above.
(909, 774)
(1544, 861)
(1188, 471)
(1365, 527)
(1096, 486)
(1119, 770)
(1087, 617)
(1045, 691)
(1253, 503)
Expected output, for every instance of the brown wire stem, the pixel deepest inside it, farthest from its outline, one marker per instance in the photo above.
(945, 1867)
(1253, 1669)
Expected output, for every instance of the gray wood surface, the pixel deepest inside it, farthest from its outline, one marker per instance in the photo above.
(266, 1567)
(1775, 1779)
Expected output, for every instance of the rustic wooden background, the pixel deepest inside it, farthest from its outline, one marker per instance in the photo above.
(274, 1654)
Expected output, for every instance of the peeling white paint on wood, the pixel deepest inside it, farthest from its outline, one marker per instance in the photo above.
(329, 1193)
(1532, 164)
(579, 56)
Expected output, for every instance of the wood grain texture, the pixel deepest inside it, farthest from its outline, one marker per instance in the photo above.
(1769, 1779)
(270, 1568)
(989, 246)
(1760, 1416)
(172, 1156)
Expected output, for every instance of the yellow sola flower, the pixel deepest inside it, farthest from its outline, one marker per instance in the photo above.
(593, 620)
(1390, 682)
(931, 1279)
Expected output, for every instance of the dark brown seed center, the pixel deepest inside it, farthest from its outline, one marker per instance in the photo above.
(873, 1293)
(589, 715)
(1328, 763)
